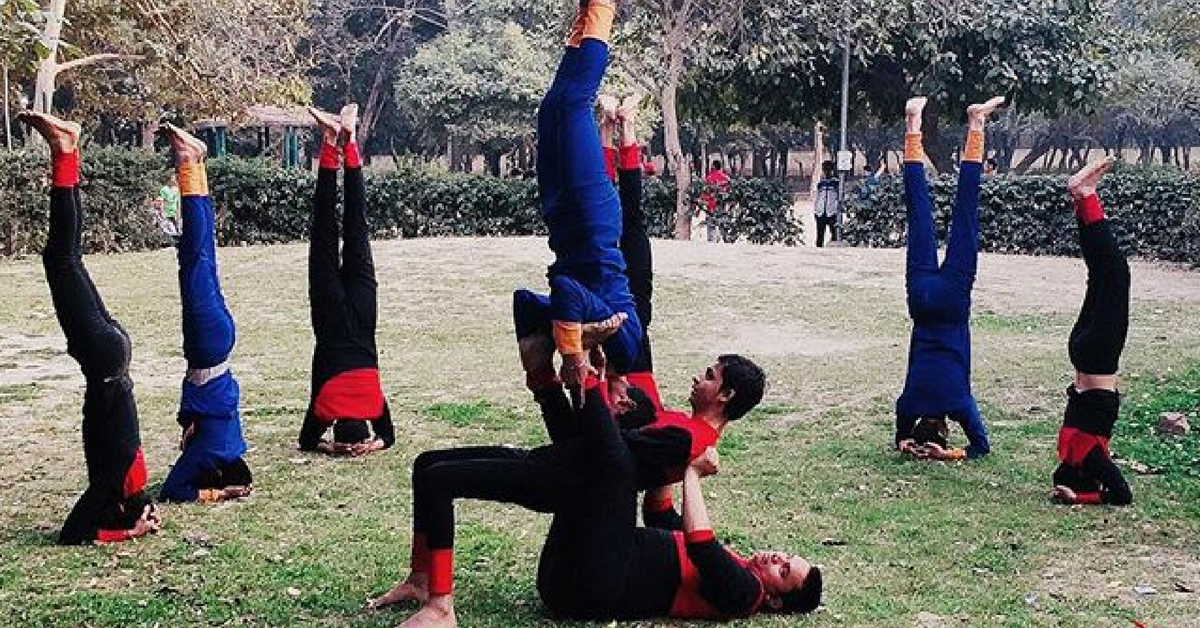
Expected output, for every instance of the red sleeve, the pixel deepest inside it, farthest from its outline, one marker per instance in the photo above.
(700, 536)
(1088, 498)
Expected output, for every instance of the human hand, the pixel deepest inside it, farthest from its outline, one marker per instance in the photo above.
(235, 492)
(366, 447)
(909, 446)
(1063, 494)
(574, 372)
(149, 523)
(931, 451)
(707, 463)
(333, 448)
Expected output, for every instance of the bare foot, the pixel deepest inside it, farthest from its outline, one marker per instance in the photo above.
(627, 110)
(608, 107)
(1083, 184)
(350, 123)
(414, 589)
(331, 125)
(978, 113)
(537, 352)
(598, 332)
(61, 135)
(188, 148)
(438, 612)
(912, 113)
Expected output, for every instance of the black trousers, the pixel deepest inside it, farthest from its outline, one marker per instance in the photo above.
(1099, 333)
(341, 288)
(102, 348)
(822, 223)
(639, 263)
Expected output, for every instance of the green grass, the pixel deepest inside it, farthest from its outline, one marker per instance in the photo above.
(810, 470)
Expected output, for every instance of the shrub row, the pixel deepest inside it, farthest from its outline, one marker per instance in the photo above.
(259, 202)
(1155, 213)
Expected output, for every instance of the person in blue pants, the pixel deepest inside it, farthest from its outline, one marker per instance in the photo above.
(211, 467)
(938, 383)
(590, 300)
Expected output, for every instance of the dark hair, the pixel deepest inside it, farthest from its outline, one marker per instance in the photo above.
(716, 164)
(350, 431)
(642, 413)
(931, 430)
(747, 382)
(827, 166)
(804, 598)
(991, 161)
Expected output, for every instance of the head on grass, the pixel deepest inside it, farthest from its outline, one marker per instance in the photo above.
(351, 432)
(931, 430)
(729, 388)
(791, 584)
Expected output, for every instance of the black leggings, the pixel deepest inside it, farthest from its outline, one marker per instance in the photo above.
(588, 483)
(342, 289)
(102, 348)
(830, 222)
(639, 264)
(1099, 334)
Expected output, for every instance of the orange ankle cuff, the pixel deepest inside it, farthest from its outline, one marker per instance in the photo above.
(568, 337)
(193, 180)
(913, 149)
(973, 151)
(598, 20)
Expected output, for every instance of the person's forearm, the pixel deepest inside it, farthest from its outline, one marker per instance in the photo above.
(695, 513)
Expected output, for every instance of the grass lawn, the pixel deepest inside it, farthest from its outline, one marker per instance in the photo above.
(902, 543)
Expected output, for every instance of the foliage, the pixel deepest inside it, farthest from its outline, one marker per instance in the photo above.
(1138, 435)
(757, 210)
(480, 84)
(1154, 212)
(116, 188)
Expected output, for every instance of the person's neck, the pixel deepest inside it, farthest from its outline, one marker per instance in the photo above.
(714, 419)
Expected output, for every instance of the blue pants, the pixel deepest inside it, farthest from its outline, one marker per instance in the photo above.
(941, 294)
(208, 331)
(208, 338)
(582, 212)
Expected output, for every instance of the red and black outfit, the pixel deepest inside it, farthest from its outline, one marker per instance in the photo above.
(346, 388)
(544, 479)
(113, 502)
(1097, 339)
(596, 562)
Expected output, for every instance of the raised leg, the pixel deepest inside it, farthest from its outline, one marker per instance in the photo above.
(922, 239)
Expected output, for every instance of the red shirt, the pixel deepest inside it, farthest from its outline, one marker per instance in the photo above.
(354, 394)
(688, 602)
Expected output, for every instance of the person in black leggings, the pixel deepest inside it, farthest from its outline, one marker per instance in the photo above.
(1086, 473)
(596, 563)
(346, 389)
(114, 507)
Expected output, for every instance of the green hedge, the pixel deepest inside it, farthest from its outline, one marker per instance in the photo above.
(259, 202)
(1155, 213)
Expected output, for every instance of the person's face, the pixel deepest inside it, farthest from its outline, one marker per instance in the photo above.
(706, 389)
(618, 395)
(779, 572)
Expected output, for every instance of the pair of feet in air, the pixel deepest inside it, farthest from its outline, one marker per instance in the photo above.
(1082, 184)
(63, 136)
(614, 111)
(340, 128)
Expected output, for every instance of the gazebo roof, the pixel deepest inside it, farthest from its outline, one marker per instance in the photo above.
(263, 115)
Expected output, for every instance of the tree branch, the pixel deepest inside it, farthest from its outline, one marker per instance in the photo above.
(94, 59)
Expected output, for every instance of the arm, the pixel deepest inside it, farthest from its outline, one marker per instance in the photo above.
(384, 430)
(663, 449)
(659, 512)
(976, 431)
(311, 431)
(724, 583)
(1114, 490)
(904, 429)
(556, 412)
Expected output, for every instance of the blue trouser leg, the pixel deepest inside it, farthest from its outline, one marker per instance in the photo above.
(922, 240)
(181, 483)
(531, 313)
(962, 248)
(208, 331)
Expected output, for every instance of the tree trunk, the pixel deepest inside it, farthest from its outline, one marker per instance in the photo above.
(1040, 148)
(675, 157)
(939, 152)
(43, 94)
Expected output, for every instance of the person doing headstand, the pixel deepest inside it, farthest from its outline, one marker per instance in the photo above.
(346, 389)
(938, 382)
(1086, 473)
(590, 300)
(115, 506)
(211, 467)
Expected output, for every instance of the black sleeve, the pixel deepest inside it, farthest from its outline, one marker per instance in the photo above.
(659, 449)
(311, 431)
(667, 519)
(1114, 490)
(557, 413)
(724, 583)
(904, 427)
(383, 427)
(635, 243)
